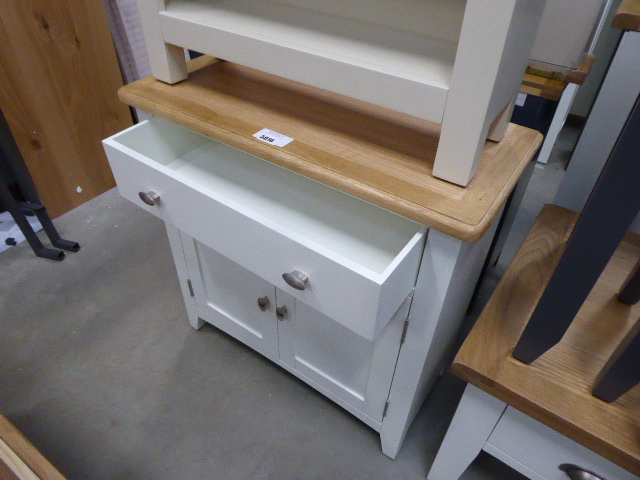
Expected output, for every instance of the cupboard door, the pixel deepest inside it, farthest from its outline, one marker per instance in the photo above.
(330, 356)
(227, 297)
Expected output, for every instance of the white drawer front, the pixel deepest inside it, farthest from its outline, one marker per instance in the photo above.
(361, 260)
(541, 450)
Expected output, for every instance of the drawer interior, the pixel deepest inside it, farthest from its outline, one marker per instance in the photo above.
(337, 225)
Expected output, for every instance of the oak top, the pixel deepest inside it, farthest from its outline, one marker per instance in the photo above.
(556, 388)
(628, 16)
(372, 153)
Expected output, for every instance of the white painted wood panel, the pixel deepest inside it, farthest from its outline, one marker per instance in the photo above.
(354, 369)
(227, 297)
(167, 61)
(361, 260)
(565, 30)
(183, 276)
(448, 274)
(542, 449)
(494, 48)
(403, 70)
(436, 18)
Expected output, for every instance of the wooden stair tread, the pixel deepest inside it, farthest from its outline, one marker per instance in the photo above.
(556, 388)
(372, 153)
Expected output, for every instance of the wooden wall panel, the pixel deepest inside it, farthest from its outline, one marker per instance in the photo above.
(59, 78)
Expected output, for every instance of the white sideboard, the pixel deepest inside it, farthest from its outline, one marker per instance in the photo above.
(361, 302)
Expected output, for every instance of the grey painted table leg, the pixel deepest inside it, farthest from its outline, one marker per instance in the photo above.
(610, 209)
(622, 371)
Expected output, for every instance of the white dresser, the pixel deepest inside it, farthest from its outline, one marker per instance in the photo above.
(336, 255)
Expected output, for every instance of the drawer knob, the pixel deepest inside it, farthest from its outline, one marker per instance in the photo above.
(281, 312)
(575, 472)
(151, 198)
(263, 303)
(296, 279)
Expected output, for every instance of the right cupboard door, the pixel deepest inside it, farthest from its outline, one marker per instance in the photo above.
(339, 361)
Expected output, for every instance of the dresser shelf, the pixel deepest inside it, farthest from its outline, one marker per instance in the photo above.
(375, 154)
(457, 63)
(397, 65)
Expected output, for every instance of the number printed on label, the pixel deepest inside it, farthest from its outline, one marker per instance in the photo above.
(273, 138)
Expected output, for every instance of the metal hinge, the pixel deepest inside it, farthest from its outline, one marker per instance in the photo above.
(386, 407)
(190, 287)
(404, 331)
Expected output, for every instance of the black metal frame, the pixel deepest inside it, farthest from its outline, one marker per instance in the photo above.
(10, 157)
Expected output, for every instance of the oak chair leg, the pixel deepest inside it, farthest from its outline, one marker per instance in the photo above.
(474, 420)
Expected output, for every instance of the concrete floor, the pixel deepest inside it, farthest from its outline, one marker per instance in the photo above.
(101, 371)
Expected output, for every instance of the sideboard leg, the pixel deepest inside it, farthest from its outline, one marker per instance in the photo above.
(476, 417)
(183, 276)
(168, 62)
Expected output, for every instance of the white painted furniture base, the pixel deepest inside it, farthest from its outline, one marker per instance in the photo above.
(482, 422)
(374, 325)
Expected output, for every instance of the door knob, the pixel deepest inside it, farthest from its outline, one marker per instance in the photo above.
(575, 472)
(263, 303)
(281, 312)
(151, 198)
(296, 279)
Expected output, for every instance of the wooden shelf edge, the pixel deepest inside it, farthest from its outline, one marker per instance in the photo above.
(628, 16)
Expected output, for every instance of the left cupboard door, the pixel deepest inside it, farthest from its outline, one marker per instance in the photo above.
(232, 298)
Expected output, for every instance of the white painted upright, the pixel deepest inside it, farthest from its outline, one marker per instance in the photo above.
(448, 273)
(492, 56)
(168, 62)
(476, 417)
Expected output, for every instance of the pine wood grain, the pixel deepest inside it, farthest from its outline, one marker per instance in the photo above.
(58, 89)
(556, 388)
(21, 458)
(628, 16)
(378, 155)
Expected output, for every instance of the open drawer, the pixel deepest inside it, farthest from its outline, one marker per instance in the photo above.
(361, 261)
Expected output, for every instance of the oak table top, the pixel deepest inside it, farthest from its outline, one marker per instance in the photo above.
(556, 388)
(375, 154)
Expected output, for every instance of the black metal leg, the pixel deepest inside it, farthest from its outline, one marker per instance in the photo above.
(630, 293)
(10, 157)
(620, 374)
(605, 219)
(18, 215)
